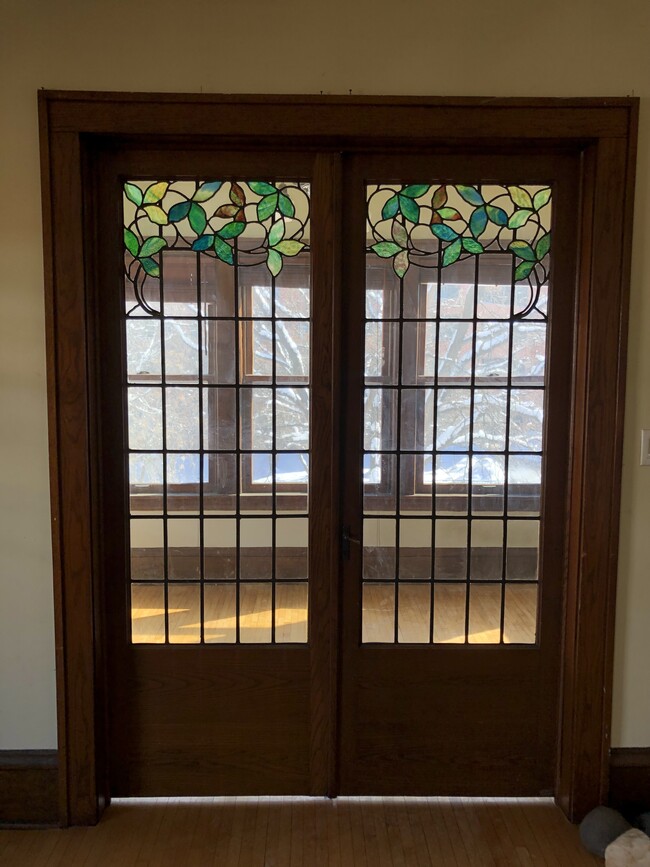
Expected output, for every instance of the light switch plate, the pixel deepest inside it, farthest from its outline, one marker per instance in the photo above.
(645, 448)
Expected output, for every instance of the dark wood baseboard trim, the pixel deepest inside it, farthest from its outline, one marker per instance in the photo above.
(629, 780)
(29, 781)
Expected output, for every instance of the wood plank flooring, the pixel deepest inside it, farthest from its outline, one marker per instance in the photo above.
(255, 618)
(301, 832)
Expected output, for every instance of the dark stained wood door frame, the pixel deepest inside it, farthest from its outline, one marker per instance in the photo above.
(603, 132)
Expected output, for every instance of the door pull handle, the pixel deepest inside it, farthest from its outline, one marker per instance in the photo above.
(346, 539)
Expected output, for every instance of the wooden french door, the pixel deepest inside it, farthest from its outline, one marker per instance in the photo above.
(458, 350)
(216, 427)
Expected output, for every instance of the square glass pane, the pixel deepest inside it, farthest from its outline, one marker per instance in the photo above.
(379, 538)
(255, 291)
(183, 549)
(292, 290)
(379, 483)
(529, 350)
(182, 422)
(449, 602)
(415, 549)
(147, 549)
(259, 348)
(220, 416)
(484, 614)
(486, 554)
(183, 482)
(219, 352)
(143, 349)
(219, 549)
(379, 419)
(526, 419)
(179, 279)
(522, 553)
(255, 613)
(452, 483)
(219, 613)
(145, 417)
(488, 478)
(292, 469)
(452, 429)
(455, 349)
(492, 349)
(256, 407)
(256, 551)
(292, 549)
(291, 614)
(416, 434)
(181, 349)
(292, 418)
(414, 613)
(420, 293)
(292, 349)
(150, 291)
(490, 407)
(147, 613)
(184, 606)
(524, 484)
(145, 481)
(381, 351)
(378, 618)
(217, 287)
(520, 616)
(457, 290)
(450, 556)
(219, 483)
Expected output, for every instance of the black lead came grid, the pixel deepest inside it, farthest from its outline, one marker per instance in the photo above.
(452, 458)
(217, 385)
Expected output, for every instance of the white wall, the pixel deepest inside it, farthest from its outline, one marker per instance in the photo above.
(500, 48)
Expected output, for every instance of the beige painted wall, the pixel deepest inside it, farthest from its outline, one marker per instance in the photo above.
(500, 48)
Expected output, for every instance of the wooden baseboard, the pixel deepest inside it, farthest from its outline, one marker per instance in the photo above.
(629, 780)
(29, 788)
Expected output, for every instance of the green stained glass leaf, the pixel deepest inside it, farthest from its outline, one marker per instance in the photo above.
(274, 262)
(497, 215)
(266, 207)
(400, 235)
(478, 221)
(286, 206)
(227, 211)
(543, 246)
(386, 249)
(409, 208)
(401, 263)
(390, 208)
(449, 214)
(155, 192)
(131, 242)
(277, 233)
(519, 219)
(237, 195)
(152, 246)
(470, 194)
(206, 191)
(198, 219)
(414, 191)
(151, 267)
(522, 250)
(472, 246)
(156, 215)
(520, 197)
(262, 188)
(541, 198)
(289, 248)
(452, 252)
(523, 270)
(223, 250)
(203, 243)
(445, 233)
(133, 193)
(439, 198)
(179, 211)
(231, 230)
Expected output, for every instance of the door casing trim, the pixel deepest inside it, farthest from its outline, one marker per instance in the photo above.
(602, 131)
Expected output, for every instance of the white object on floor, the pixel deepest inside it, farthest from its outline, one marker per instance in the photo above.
(631, 849)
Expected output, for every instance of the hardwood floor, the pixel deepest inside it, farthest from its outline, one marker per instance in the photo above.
(299, 832)
(219, 613)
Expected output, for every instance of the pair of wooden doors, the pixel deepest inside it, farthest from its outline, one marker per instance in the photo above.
(333, 412)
